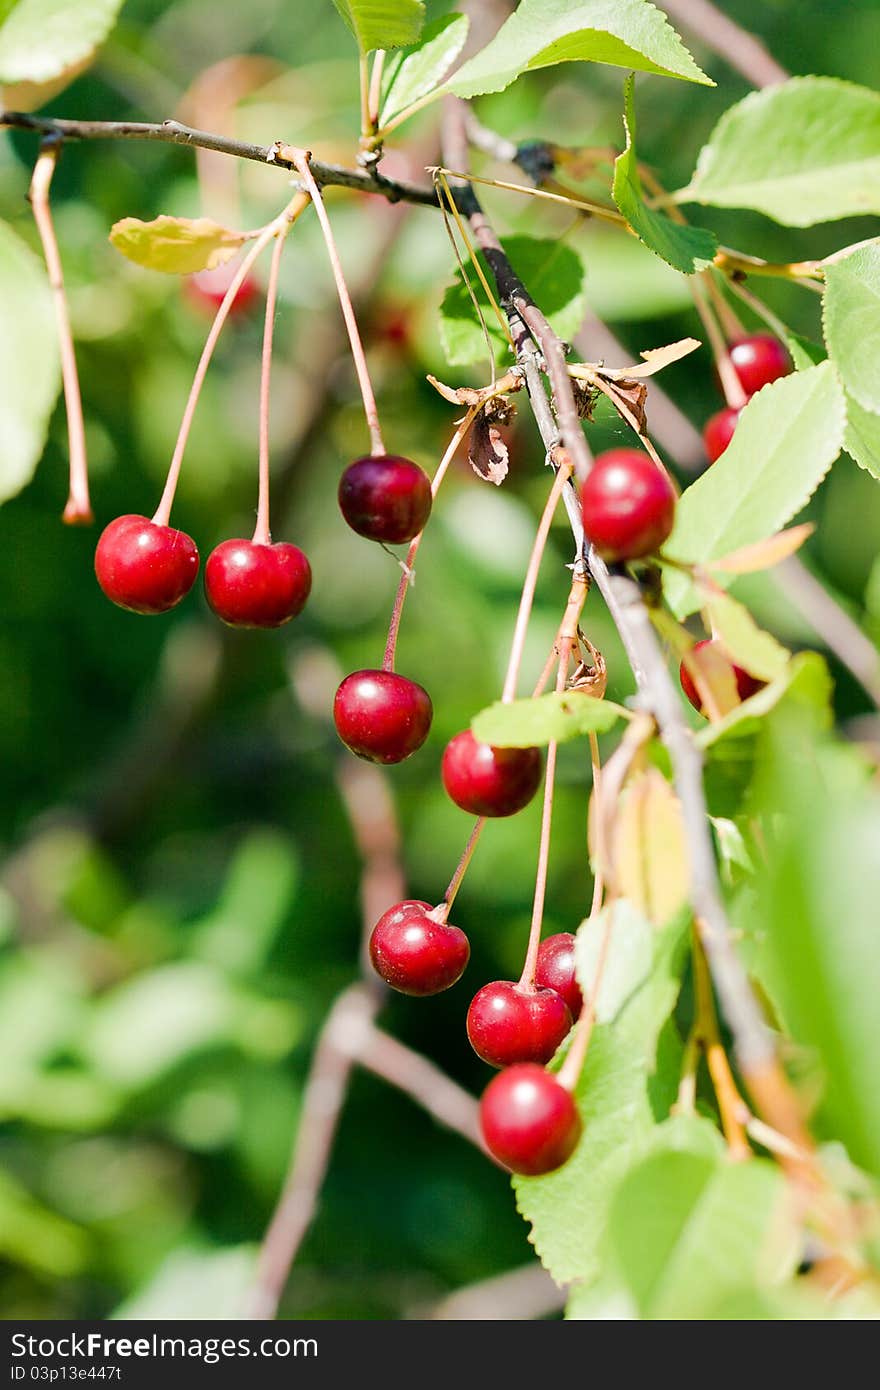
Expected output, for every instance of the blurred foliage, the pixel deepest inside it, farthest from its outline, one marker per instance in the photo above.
(180, 888)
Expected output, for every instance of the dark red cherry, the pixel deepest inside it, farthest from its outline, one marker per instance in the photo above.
(759, 359)
(629, 505)
(144, 567)
(382, 716)
(718, 431)
(250, 584)
(555, 970)
(529, 1120)
(414, 954)
(206, 290)
(507, 1024)
(746, 684)
(385, 498)
(489, 781)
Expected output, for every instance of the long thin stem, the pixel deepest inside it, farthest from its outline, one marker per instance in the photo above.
(573, 1065)
(163, 511)
(598, 868)
(731, 385)
(442, 911)
(301, 162)
(78, 511)
(375, 89)
(530, 584)
(567, 635)
(731, 1106)
(262, 533)
(406, 578)
(363, 73)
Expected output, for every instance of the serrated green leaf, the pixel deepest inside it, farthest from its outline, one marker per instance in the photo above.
(743, 641)
(552, 272)
(44, 44)
(687, 249)
(383, 23)
(540, 33)
(862, 438)
(805, 682)
(627, 957)
(543, 719)
(649, 848)
(29, 368)
(684, 1228)
(419, 72)
(176, 245)
(568, 1209)
(804, 352)
(851, 317)
(786, 440)
(802, 152)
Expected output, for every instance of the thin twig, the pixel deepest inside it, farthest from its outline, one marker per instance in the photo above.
(78, 511)
(262, 533)
(529, 585)
(423, 1081)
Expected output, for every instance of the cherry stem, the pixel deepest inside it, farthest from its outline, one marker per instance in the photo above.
(375, 90)
(598, 873)
(731, 1106)
(565, 642)
(760, 308)
(530, 584)
(300, 160)
(406, 578)
(731, 324)
(573, 1065)
(363, 72)
(262, 534)
(78, 510)
(441, 912)
(731, 385)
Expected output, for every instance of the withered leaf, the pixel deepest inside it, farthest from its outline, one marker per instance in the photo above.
(487, 451)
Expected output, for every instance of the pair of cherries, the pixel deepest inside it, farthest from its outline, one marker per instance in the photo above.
(757, 359)
(146, 567)
(529, 1120)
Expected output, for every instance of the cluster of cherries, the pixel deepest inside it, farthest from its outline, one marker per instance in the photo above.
(757, 360)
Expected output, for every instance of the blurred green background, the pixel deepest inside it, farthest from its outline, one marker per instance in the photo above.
(179, 890)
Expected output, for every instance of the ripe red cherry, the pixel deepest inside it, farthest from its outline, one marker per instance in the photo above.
(718, 431)
(385, 498)
(206, 290)
(529, 1120)
(629, 506)
(145, 567)
(250, 584)
(381, 716)
(414, 954)
(489, 781)
(759, 359)
(508, 1024)
(555, 970)
(746, 684)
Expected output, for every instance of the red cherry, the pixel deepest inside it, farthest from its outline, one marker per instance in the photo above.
(746, 684)
(555, 970)
(629, 505)
(718, 431)
(385, 498)
(489, 781)
(206, 290)
(759, 359)
(249, 584)
(529, 1120)
(381, 716)
(145, 567)
(414, 954)
(507, 1023)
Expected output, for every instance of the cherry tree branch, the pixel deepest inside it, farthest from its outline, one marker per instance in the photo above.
(742, 50)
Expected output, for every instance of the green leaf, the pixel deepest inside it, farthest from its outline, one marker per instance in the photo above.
(553, 274)
(686, 1227)
(419, 72)
(540, 33)
(786, 440)
(44, 40)
(851, 318)
(568, 1209)
(553, 718)
(817, 911)
(805, 682)
(627, 957)
(687, 249)
(803, 152)
(29, 369)
(648, 847)
(176, 245)
(383, 23)
(743, 641)
(862, 438)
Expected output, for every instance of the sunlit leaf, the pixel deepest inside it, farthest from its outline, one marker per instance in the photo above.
(176, 245)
